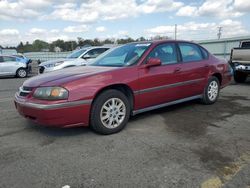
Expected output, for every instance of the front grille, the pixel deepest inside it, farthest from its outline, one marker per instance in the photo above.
(24, 91)
(41, 70)
(27, 88)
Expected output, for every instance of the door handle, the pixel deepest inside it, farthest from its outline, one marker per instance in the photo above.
(206, 65)
(177, 69)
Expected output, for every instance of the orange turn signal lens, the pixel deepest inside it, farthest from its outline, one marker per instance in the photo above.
(55, 92)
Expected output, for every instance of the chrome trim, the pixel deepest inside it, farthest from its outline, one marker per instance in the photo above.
(51, 106)
(23, 91)
(168, 86)
(166, 104)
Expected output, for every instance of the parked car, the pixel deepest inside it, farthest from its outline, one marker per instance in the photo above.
(77, 58)
(240, 61)
(127, 80)
(13, 66)
(26, 60)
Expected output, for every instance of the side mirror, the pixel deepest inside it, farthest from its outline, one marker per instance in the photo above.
(87, 56)
(152, 62)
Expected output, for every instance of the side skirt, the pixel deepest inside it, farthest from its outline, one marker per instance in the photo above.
(166, 104)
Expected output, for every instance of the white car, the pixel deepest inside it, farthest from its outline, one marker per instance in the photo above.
(77, 58)
(13, 66)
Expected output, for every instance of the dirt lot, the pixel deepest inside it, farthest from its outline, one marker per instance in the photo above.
(186, 145)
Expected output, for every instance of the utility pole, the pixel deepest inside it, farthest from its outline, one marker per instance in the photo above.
(219, 32)
(175, 31)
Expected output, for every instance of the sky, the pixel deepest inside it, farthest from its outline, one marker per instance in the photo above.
(27, 20)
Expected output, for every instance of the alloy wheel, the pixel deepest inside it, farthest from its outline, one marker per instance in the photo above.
(113, 113)
(213, 90)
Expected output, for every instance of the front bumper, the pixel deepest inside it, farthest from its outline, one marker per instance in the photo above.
(244, 68)
(67, 114)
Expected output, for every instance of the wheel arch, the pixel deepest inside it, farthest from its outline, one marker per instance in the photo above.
(16, 73)
(218, 76)
(124, 88)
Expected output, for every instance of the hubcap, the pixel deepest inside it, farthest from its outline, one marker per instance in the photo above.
(22, 73)
(113, 113)
(213, 90)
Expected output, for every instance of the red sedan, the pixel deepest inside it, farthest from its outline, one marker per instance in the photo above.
(124, 81)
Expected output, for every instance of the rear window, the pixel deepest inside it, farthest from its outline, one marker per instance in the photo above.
(245, 45)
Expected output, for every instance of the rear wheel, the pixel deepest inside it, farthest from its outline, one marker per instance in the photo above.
(240, 77)
(211, 91)
(21, 73)
(110, 112)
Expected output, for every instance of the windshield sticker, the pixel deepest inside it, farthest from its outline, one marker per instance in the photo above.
(145, 44)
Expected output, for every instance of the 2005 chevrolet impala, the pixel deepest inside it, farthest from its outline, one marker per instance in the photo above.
(124, 81)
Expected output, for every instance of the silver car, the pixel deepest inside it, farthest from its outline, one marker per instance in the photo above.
(13, 66)
(77, 58)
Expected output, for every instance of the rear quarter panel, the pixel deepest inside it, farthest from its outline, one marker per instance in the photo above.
(222, 67)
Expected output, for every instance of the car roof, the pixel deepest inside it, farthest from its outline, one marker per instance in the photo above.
(160, 41)
(94, 47)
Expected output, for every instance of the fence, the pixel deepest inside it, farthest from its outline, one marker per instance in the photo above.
(220, 48)
(45, 56)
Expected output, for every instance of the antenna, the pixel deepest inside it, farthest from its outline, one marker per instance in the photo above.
(175, 31)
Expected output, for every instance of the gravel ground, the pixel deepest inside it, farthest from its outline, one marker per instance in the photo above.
(186, 145)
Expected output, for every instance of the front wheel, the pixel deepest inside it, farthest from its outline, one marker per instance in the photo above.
(110, 112)
(21, 73)
(211, 91)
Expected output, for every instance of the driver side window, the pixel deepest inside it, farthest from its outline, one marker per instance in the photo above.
(8, 59)
(94, 52)
(165, 52)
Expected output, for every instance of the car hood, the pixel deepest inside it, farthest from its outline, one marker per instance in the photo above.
(65, 75)
(52, 61)
(80, 60)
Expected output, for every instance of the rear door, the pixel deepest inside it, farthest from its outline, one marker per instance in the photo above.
(195, 68)
(159, 84)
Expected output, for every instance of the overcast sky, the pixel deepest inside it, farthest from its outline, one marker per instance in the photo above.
(27, 20)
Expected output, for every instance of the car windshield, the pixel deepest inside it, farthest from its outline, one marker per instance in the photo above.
(76, 54)
(122, 56)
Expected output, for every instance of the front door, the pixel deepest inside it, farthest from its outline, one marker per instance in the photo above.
(9, 65)
(159, 84)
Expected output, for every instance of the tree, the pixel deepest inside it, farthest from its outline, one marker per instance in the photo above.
(125, 41)
(108, 41)
(80, 41)
(20, 47)
(141, 39)
(58, 43)
(39, 45)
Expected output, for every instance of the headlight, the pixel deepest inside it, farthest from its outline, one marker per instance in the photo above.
(51, 93)
(53, 64)
(49, 65)
(58, 63)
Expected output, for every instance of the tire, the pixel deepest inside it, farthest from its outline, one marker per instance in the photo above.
(240, 77)
(21, 73)
(114, 118)
(211, 91)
